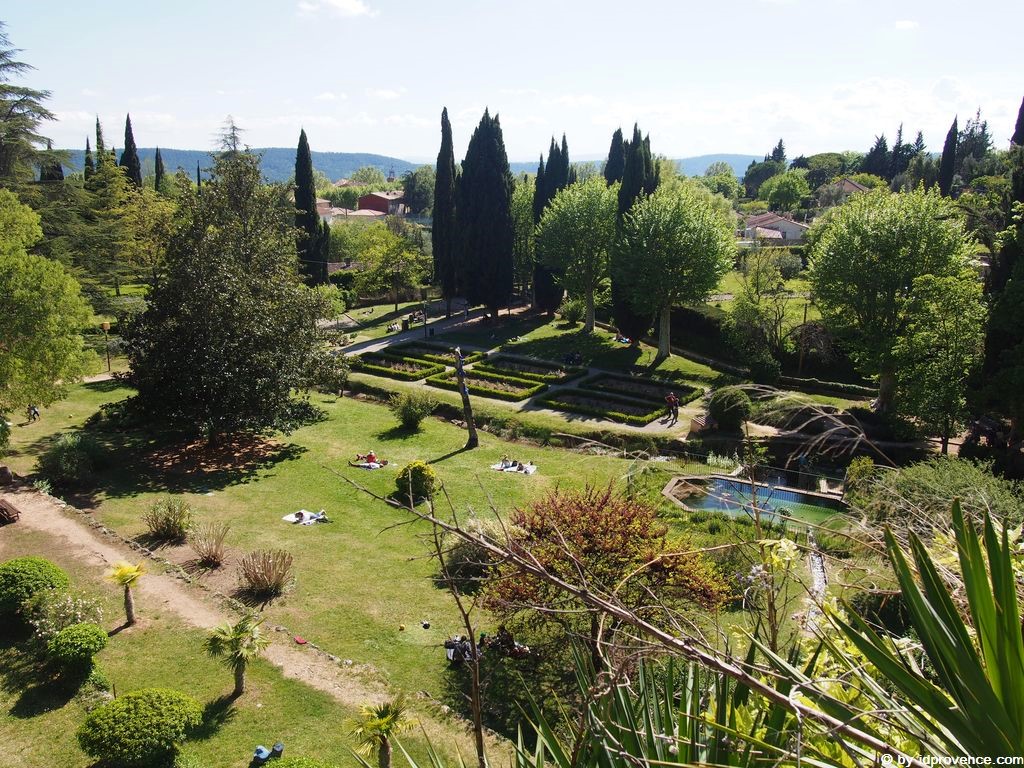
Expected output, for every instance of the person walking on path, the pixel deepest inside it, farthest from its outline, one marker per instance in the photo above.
(673, 406)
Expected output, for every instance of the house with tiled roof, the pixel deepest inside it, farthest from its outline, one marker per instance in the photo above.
(772, 226)
(391, 203)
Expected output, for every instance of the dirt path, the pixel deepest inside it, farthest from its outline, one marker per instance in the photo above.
(46, 515)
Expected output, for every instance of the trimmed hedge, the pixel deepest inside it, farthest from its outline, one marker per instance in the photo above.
(24, 577)
(402, 350)
(559, 373)
(827, 387)
(730, 407)
(557, 401)
(366, 364)
(140, 728)
(527, 387)
(684, 392)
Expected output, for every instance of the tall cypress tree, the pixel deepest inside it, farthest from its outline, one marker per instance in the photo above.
(311, 250)
(101, 147)
(616, 159)
(89, 168)
(483, 213)
(199, 180)
(442, 235)
(547, 289)
(948, 161)
(639, 177)
(159, 180)
(1018, 131)
(130, 156)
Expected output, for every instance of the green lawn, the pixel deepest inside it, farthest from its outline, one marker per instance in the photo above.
(38, 719)
(374, 321)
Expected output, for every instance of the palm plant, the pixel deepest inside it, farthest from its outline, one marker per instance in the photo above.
(376, 725)
(125, 575)
(237, 645)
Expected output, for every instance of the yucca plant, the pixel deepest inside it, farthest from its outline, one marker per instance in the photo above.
(266, 573)
(207, 541)
(126, 575)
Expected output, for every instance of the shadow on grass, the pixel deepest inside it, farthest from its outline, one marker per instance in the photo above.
(448, 455)
(24, 673)
(397, 432)
(216, 714)
(105, 385)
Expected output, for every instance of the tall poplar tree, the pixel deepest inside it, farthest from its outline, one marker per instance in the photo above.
(443, 232)
(130, 156)
(639, 177)
(159, 180)
(314, 234)
(547, 289)
(89, 168)
(616, 159)
(483, 214)
(948, 161)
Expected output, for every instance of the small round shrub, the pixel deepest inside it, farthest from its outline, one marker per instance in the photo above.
(729, 407)
(169, 519)
(72, 461)
(24, 577)
(789, 264)
(73, 647)
(140, 728)
(411, 408)
(417, 479)
(765, 369)
(573, 311)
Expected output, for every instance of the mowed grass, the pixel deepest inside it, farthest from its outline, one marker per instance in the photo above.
(38, 719)
(362, 576)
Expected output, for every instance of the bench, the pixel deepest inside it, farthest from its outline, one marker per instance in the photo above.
(8, 514)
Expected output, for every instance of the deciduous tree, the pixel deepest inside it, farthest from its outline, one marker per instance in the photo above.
(575, 237)
(864, 261)
(680, 246)
(418, 186)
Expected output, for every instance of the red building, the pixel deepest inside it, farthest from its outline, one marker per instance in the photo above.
(390, 203)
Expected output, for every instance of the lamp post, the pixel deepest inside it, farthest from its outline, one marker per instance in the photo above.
(106, 342)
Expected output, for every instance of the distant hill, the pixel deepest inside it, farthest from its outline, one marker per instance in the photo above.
(278, 162)
(688, 166)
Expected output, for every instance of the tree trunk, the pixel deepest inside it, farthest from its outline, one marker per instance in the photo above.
(886, 391)
(129, 605)
(595, 642)
(384, 755)
(239, 680)
(588, 322)
(473, 439)
(665, 333)
(945, 445)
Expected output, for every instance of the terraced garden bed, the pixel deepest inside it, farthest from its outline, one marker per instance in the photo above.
(435, 353)
(652, 390)
(529, 368)
(395, 367)
(493, 385)
(591, 403)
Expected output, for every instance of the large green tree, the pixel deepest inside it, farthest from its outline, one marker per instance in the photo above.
(230, 331)
(418, 186)
(639, 177)
(130, 156)
(680, 245)
(865, 258)
(484, 217)
(940, 348)
(390, 263)
(443, 234)
(522, 221)
(575, 237)
(315, 235)
(41, 314)
(785, 191)
(21, 114)
(616, 161)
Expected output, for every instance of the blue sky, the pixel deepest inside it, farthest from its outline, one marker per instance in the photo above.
(372, 75)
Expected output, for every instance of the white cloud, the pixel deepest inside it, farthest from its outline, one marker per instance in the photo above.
(89, 92)
(339, 7)
(904, 24)
(385, 94)
(329, 96)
